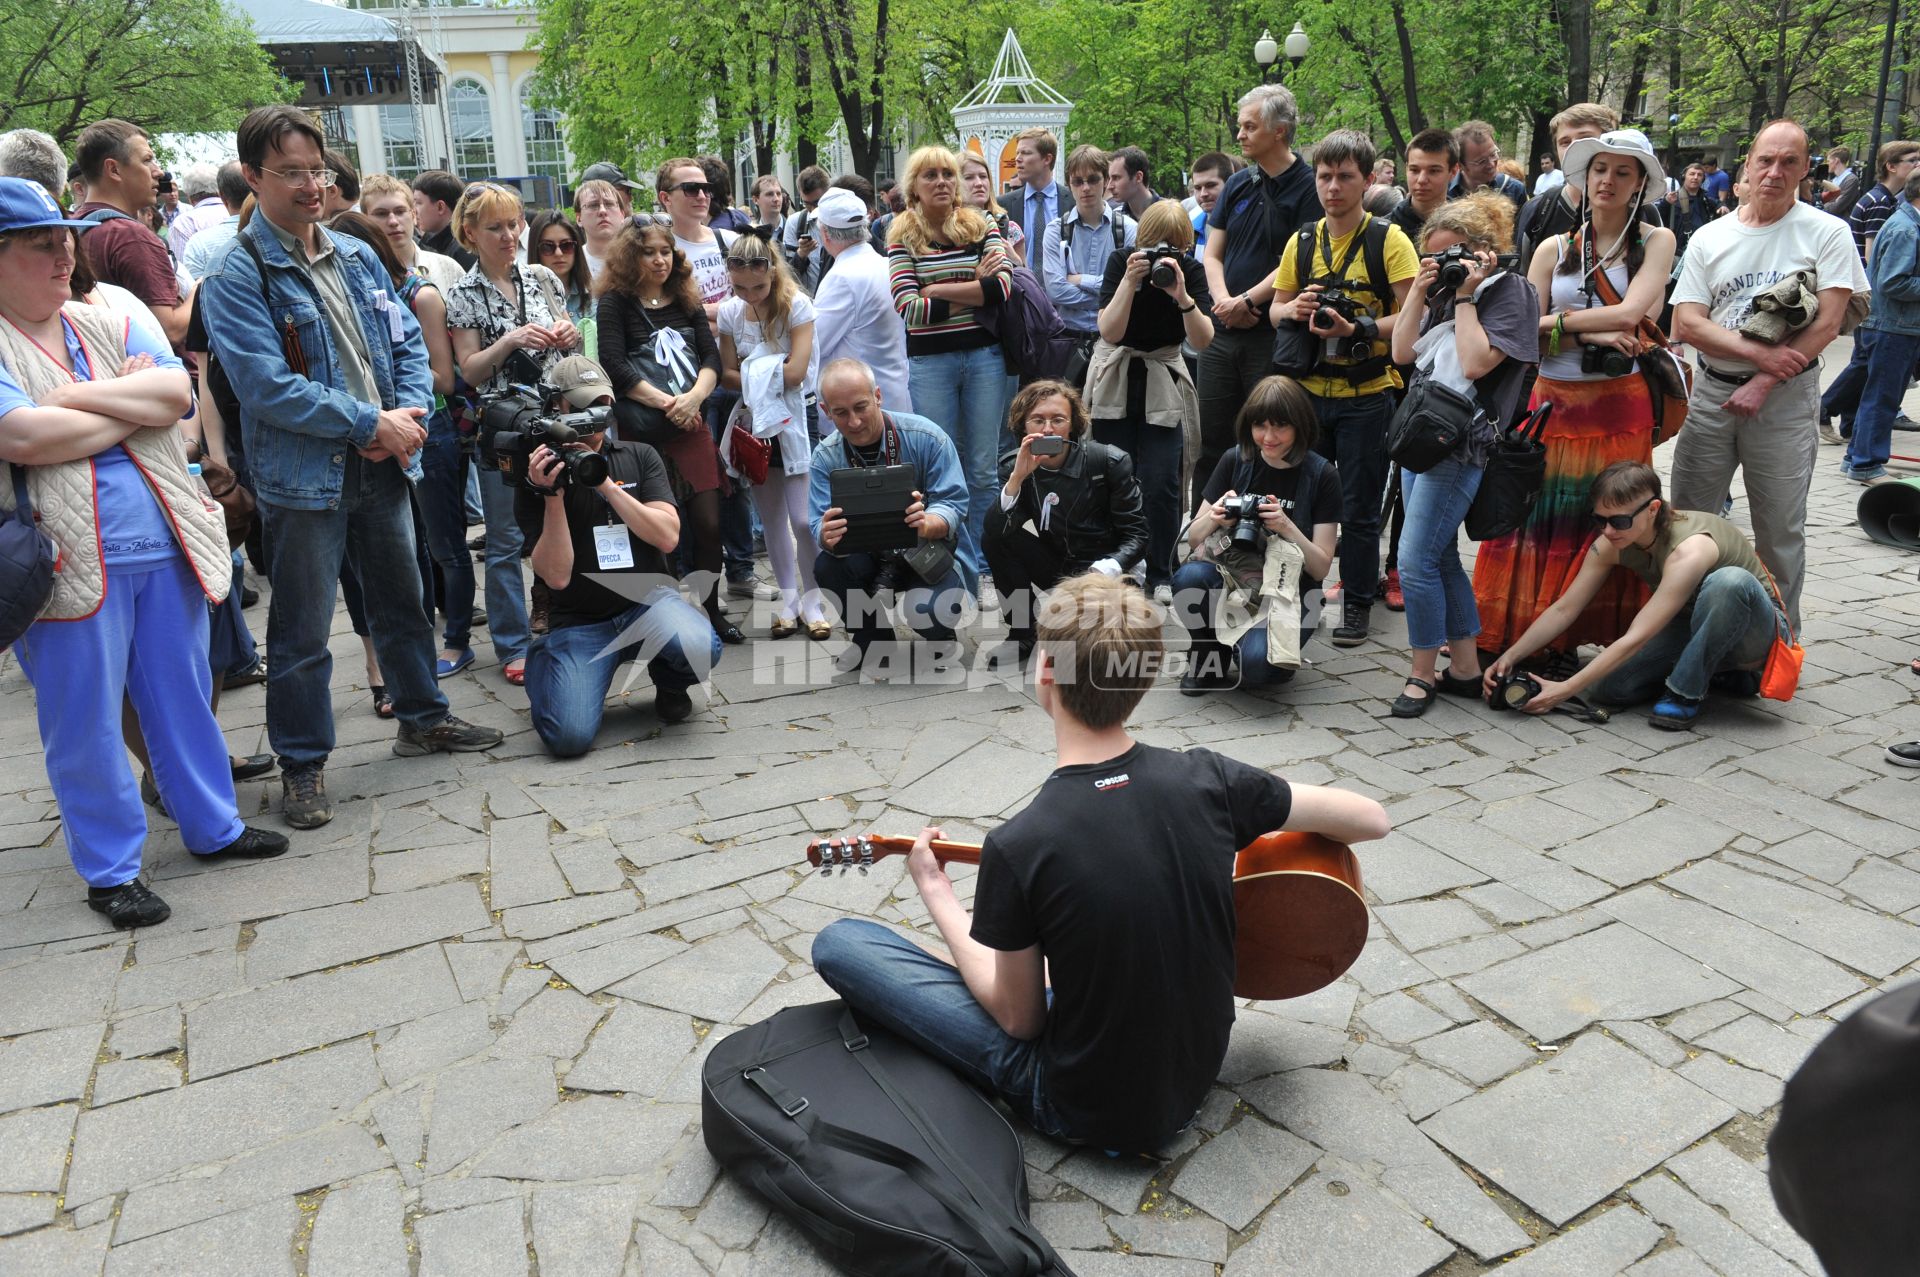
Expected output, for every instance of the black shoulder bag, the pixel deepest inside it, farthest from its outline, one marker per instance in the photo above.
(26, 564)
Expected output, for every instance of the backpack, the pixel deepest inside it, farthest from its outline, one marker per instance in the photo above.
(882, 1154)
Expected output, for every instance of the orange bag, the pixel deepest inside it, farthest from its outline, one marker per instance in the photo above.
(1780, 677)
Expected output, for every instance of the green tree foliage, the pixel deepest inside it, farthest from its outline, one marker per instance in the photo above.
(166, 65)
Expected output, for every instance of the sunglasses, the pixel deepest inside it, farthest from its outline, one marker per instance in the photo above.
(759, 265)
(693, 188)
(555, 247)
(1622, 522)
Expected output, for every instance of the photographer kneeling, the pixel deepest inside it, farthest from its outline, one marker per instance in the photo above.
(1709, 625)
(1282, 501)
(599, 509)
(1067, 505)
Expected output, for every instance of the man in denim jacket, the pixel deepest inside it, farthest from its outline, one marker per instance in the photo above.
(333, 382)
(1891, 335)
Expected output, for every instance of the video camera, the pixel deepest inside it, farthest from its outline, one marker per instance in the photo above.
(518, 423)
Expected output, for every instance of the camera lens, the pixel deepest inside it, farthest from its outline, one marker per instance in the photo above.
(1517, 691)
(1163, 274)
(589, 468)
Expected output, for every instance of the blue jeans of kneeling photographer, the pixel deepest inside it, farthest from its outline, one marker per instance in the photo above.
(570, 669)
(1196, 583)
(1730, 624)
(851, 581)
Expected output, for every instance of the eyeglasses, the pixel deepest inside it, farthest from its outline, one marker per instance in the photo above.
(555, 247)
(1087, 179)
(759, 265)
(693, 188)
(1622, 522)
(1050, 423)
(321, 177)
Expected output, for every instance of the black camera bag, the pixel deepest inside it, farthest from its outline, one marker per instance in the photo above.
(884, 1156)
(1510, 486)
(1430, 425)
(26, 564)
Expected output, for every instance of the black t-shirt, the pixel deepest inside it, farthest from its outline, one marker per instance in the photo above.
(1122, 873)
(1284, 487)
(1256, 215)
(1155, 321)
(635, 467)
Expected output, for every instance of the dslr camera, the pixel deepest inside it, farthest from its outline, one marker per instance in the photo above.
(1337, 304)
(1605, 360)
(1457, 262)
(1244, 510)
(1513, 691)
(518, 423)
(1165, 269)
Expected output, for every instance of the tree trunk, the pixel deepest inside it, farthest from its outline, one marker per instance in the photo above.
(1409, 79)
(1576, 28)
(805, 152)
(1637, 76)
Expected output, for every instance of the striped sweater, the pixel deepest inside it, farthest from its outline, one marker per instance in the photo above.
(936, 327)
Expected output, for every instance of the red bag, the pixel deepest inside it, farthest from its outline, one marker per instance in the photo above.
(749, 456)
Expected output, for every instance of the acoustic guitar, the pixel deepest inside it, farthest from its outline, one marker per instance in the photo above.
(1300, 921)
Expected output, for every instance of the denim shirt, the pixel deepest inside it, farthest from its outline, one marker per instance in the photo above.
(943, 487)
(297, 430)
(1894, 274)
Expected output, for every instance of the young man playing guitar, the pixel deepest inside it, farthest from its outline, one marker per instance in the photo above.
(1115, 884)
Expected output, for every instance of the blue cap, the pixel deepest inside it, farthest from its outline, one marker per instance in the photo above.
(25, 205)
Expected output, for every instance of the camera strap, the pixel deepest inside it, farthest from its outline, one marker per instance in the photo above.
(890, 446)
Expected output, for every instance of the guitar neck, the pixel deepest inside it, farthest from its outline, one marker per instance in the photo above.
(867, 848)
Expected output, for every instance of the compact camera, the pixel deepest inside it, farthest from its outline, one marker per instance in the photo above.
(1244, 512)
(1513, 691)
(517, 424)
(1165, 270)
(1607, 361)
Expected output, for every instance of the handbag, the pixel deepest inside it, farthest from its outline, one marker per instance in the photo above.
(1669, 378)
(26, 565)
(1512, 482)
(662, 361)
(1780, 676)
(1431, 422)
(749, 456)
(236, 503)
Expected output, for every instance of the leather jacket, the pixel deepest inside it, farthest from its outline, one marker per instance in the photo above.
(1099, 514)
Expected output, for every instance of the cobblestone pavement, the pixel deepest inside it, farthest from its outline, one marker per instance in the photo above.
(459, 1030)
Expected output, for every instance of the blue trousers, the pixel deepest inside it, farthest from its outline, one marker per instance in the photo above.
(507, 623)
(442, 494)
(926, 1001)
(964, 392)
(148, 642)
(930, 612)
(1353, 435)
(1195, 585)
(1440, 604)
(1888, 364)
(1842, 398)
(1730, 624)
(374, 524)
(570, 669)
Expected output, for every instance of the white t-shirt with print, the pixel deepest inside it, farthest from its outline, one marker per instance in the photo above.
(1729, 263)
(709, 263)
(737, 323)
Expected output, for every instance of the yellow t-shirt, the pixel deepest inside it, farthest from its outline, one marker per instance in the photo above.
(1402, 264)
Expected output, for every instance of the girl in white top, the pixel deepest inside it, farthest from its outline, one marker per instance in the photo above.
(767, 315)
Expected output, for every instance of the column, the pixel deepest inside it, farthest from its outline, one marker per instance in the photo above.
(509, 144)
(369, 140)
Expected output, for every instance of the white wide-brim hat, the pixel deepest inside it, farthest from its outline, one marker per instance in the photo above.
(1631, 143)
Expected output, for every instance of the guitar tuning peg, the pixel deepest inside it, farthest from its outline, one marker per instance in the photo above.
(826, 859)
(866, 855)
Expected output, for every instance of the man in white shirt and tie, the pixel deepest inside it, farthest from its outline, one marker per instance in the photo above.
(1038, 201)
(854, 316)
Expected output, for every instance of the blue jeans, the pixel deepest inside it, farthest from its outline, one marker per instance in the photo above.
(147, 644)
(442, 494)
(890, 979)
(373, 523)
(570, 669)
(930, 611)
(1729, 624)
(1439, 594)
(1196, 584)
(1353, 435)
(1156, 454)
(964, 392)
(1888, 364)
(507, 622)
(1842, 398)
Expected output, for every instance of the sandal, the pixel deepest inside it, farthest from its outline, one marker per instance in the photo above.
(382, 703)
(1405, 706)
(516, 671)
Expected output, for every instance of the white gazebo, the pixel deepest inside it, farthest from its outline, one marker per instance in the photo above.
(1010, 99)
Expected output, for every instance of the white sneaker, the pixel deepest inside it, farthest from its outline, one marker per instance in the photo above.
(751, 588)
(1163, 595)
(1828, 434)
(989, 597)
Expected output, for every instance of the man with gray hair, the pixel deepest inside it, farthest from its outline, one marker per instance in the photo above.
(36, 157)
(1261, 207)
(200, 189)
(210, 239)
(854, 314)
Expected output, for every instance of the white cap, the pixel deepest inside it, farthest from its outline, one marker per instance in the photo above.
(840, 209)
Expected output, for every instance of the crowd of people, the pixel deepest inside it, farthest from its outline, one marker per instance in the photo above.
(943, 396)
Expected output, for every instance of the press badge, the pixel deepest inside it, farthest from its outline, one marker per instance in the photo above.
(611, 546)
(391, 309)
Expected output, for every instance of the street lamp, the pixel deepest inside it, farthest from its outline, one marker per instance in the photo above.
(1266, 50)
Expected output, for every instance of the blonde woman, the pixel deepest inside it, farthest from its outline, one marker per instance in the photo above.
(944, 260)
(502, 313)
(978, 182)
(768, 358)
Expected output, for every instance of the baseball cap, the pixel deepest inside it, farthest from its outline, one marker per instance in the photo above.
(605, 172)
(581, 380)
(25, 205)
(841, 209)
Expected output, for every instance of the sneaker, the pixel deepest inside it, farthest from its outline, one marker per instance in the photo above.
(1827, 433)
(128, 905)
(1163, 594)
(1905, 754)
(672, 704)
(252, 844)
(255, 673)
(1390, 591)
(989, 597)
(1209, 669)
(1353, 629)
(1675, 713)
(450, 734)
(303, 797)
(751, 587)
